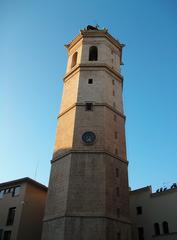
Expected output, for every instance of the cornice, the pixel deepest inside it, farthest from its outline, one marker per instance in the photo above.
(141, 190)
(93, 34)
(94, 104)
(102, 33)
(16, 182)
(94, 67)
(92, 216)
(75, 150)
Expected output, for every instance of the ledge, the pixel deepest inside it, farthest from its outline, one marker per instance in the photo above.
(89, 66)
(164, 235)
(95, 104)
(93, 34)
(74, 216)
(89, 152)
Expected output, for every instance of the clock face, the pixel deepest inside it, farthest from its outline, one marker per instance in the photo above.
(88, 137)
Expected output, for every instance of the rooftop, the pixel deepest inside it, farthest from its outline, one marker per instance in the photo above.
(161, 191)
(94, 31)
(22, 180)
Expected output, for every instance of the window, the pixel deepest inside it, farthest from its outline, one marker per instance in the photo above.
(115, 117)
(6, 191)
(118, 236)
(113, 82)
(93, 53)
(11, 190)
(74, 60)
(7, 235)
(118, 212)
(90, 81)
(1, 231)
(116, 151)
(16, 191)
(1, 194)
(115, 135)
(139, 210)
(156, 229)
(89, 107)
(117, 172)
(165, 227)
(11, 216)
(113, 93)
(140, 233)
(117, 192)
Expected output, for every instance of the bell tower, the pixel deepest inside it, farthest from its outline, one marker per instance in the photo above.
(88, 189)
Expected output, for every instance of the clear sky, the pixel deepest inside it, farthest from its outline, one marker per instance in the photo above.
(33, 62)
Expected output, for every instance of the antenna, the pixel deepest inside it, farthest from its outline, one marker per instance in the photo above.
(96, 23)
(35, 173)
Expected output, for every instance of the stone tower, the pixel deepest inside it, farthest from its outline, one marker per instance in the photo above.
(88, 187)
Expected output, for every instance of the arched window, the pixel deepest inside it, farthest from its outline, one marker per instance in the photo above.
(93, 53)
(74, 59)
(156, 229)
(165, 227)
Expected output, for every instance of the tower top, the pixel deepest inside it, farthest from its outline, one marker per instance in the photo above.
(92, 32)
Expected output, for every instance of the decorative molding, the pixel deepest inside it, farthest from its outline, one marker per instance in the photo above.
(73, 216)
(89, 152)
(89, 66)
(94, 34)
(94, 104)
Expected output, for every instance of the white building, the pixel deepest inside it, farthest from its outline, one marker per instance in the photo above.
(154, 215)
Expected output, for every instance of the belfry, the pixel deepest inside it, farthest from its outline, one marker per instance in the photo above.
(88, 196)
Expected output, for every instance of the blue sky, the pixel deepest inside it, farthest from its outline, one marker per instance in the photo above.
(33, 62)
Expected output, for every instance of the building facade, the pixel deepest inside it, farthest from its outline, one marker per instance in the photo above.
(88, 194)
(22, 204)
(154, 215)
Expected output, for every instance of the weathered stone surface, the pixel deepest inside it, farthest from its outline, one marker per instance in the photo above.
(87, 198)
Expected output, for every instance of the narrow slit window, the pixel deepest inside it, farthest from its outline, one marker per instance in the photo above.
(139, 210)
(118, 236)
(115, 135)
(89, 107)
(117, 192)
(90, 81)
(118, 212)
(117, 172)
